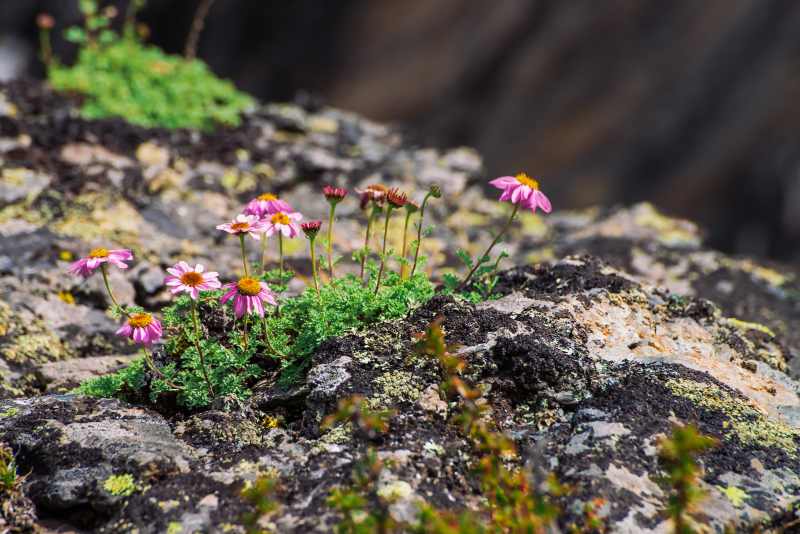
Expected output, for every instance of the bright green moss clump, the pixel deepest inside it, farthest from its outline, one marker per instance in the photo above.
(121, 76)
(120, 485)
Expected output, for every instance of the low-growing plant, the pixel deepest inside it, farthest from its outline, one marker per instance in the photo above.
(261, 494)
(121, 76)
(202, 351)
(9, 479)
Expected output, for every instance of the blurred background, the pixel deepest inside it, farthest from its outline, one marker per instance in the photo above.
(692, 105)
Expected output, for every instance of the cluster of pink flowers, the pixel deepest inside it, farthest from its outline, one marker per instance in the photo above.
(267, 216)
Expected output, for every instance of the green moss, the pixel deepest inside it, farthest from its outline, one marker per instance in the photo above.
(745, 423)
(123, 77)
(125, 383)
(120, 485)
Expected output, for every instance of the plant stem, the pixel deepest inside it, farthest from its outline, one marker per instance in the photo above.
(244, 255)
(111, 293)
(280, 253)
(478, 261)
(383, 250)
(314, 266)
(330, 240)
(263, 254)
(198, 333)
(267, 340)
(370, 220)
(244, 332)
(46, 47)
(403, 265)
(419, 233)
(148, 359)
(199, 21)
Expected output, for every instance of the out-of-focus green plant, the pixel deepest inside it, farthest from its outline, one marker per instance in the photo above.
(119, 75)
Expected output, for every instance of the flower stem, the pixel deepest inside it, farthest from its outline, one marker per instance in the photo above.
(370, 220)
(268, 341)
(314, 266)
(403, 263)
(280, 253)
(263, 255)
(419, 233)
(330, 240)
(198, 333)
(45, 47)
(108, 289)
(148, 359)
(383, 250)
(478, 261)
(244, 332)
(244, 255)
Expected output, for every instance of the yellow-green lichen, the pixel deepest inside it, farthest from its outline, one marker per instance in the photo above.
(744, 423)
(120, 485)
(395, 386)
(37, 347)
(174, 527)
(745, 326)
(737, 496)
(11, 412)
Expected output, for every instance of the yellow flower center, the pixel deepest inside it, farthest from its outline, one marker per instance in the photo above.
(524, 179)
(240, 226)
(191, 279)
(267, 197)
(98, 253)
(280, 218)
(249, 286)
(140, 320)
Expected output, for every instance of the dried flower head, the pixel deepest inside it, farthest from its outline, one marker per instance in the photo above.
(435, 191)
(397, 198)
(249, 296)
(523, 190)
(45, 21)
(311, 228)
(192, 281)
(411, 207)
(375, 193)
(141, 328)
(86, 266)
(334, 194)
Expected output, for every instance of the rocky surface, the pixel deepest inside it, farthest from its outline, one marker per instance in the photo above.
(616, 324)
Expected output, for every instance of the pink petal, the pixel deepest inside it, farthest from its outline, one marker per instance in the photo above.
(503, 182)
(543, 202)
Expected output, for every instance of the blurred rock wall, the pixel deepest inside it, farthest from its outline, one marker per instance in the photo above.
(692, 105)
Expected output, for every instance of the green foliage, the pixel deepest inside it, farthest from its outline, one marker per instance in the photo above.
(261, 495)
(484, 280)
(8, 470)
(120, 485)
(121, 76)
(677, 455)
(127, 383)
(307, 320)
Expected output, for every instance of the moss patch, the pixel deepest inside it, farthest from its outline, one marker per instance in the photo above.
(120, 485)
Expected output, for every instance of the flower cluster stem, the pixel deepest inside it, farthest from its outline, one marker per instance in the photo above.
(368, 234)
(263, 255)
(314, 266)
(148, 358)
(478, 260)
(244, 255)
(198, 333)
(330, 240)
(104, 272)
(244, 332)
(383, 249)
(419, 233)
(280, 252)
(404, 250)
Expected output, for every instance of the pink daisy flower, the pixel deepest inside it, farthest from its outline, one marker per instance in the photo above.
(523, 190)
(86, 266)
(284, 223)
(244, 224)
(192, 281)
(248, 296)
(266, 204)
(141, 328)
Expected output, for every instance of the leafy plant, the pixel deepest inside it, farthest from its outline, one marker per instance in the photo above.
(9, 480)
(122, 76)
(261, 495)
(485, 277)
(677, 454)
